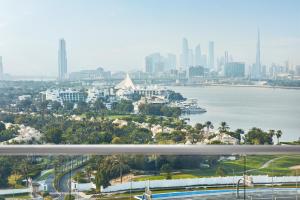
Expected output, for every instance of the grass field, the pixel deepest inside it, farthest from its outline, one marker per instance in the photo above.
(279, 167)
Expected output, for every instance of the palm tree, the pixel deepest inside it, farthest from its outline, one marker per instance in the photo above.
(24, 169)
(271, 133)
(89, 170)
(278, 135)
(240, 132)
(224, 127)
(199, 127)
(208, 126)
(119, 163)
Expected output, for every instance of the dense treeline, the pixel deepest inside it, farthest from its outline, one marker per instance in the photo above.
(160, 110)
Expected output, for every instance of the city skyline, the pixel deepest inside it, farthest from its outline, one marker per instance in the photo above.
(109, 36)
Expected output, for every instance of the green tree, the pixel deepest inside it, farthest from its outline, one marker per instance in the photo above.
(258, 136)
(53, 135)
(240, 132)
(14, 179)
(69, 197)
(223, 127)
(99, 105)
(220, 171)
(166, 169)
(278, 135)
(2, 126)
(120, 164)
(208, 126)
(89, 171)
(140, 136)
(116, 140)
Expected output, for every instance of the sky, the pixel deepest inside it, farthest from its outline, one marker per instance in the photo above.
(118, 34)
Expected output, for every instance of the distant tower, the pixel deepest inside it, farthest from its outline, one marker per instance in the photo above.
(211, 55)
(226, 59)
(257, 69)
(62, 60)
(1, 69)
(198, 55)
(184, 58)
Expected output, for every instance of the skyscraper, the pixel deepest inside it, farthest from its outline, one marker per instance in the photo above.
(62, 60)
(198, 55)
(256, 70)
(190, 58)
(258, 64)
(184, 57)
(1, 69)
(171, 61)
(155, 63)
(211, 55)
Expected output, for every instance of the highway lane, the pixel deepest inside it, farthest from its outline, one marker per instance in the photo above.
(149, 149)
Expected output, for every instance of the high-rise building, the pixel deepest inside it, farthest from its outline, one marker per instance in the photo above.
(184, 57)
(155, 63)
(256, 70)
(211, 55)
(203, 60)
(62, 60)
(171, 61)
(1, 69)
(226, 58)
(297, 70)
(196, 71)
(234, 69)
(190, 58)
(198, 55)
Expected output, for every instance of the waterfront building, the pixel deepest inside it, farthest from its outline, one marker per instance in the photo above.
(126, 88)
(62, 60)
(277, 70)
(24, 97)
(196, 71)
(97, 74)
(211, 55)
(64, 95)
(234, 70)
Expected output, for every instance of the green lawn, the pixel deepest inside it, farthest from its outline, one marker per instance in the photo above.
(279, 167)
(45, 176)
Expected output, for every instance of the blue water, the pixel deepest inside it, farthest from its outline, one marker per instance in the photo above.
(247, 107)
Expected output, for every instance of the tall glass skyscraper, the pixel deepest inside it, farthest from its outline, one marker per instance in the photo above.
(1, 69)
(184, 58)
(62, 60)
(198, 55)
(256, 69)
(211, 55)
(258, 64)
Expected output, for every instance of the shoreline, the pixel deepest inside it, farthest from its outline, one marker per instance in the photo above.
(238, 85)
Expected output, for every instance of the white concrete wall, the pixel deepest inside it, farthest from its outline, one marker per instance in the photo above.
(185, 183)
(198, 181)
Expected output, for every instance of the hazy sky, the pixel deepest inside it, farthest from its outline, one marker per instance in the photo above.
(118, 34)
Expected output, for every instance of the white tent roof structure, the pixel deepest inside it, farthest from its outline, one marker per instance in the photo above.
(126, 84)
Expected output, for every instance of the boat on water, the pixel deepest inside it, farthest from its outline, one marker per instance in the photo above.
(190, 106)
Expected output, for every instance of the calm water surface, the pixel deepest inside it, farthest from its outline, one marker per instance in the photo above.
(247, 107)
